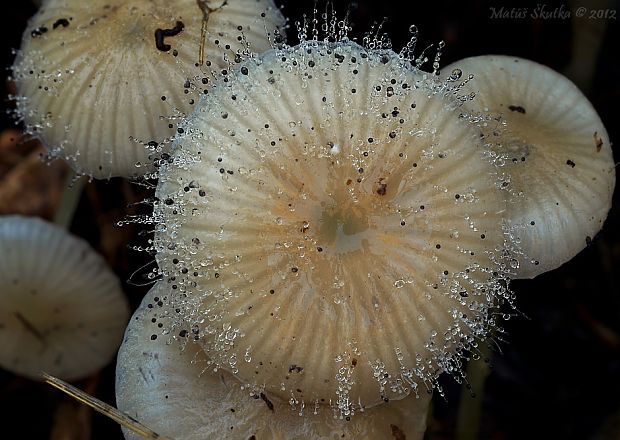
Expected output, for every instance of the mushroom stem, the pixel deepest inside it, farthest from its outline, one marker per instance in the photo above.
(470, 406)
(69, 200)
(101, 407)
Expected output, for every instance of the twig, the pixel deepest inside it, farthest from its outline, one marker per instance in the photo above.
(107, 410)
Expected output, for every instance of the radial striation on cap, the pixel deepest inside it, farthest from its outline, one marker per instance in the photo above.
(62, 309)
(104, 82)
(164, 381)
(331, 226)
(559, 169)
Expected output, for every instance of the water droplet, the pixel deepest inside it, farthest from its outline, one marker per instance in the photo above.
(456, 74)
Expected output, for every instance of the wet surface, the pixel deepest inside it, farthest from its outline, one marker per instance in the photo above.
(557, 372)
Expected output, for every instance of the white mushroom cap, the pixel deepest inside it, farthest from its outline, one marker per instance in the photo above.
(62, 310)
(164, 382)
(558, 159)
(331, 226)
(102, 82)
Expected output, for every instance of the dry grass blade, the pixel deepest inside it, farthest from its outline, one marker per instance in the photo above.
(107, 410)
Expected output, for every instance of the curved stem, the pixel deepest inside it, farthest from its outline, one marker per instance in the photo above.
(470, 406)
(69, 200)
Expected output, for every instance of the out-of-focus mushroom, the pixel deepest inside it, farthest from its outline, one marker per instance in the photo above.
(164, 381)
(559, 168)
(61, 308)
(102, 82)
(331, 227)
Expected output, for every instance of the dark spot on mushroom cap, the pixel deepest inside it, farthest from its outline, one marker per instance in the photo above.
(295, 368)
(397, 433)
(382, 188)
(267, 401)
(60, 22)
(598, 141)
(38, 32)
(570, 163)
(160, 34)
(516, 108)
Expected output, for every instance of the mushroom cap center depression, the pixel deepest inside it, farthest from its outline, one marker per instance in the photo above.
(344, 229)
(347, 220)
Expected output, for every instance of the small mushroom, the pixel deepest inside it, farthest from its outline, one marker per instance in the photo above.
(103, 83)
(329, 210)
(164, 381)
(556, 155)
(62, 309)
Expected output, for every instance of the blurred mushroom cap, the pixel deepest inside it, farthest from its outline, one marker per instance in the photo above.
(62, 309)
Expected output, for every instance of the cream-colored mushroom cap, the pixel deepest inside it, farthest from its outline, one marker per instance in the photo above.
(164, 382)
(62, 309)
(559, 168)
(103, 82)
(331, 226)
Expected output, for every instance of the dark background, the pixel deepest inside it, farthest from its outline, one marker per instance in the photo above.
(558, 376)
